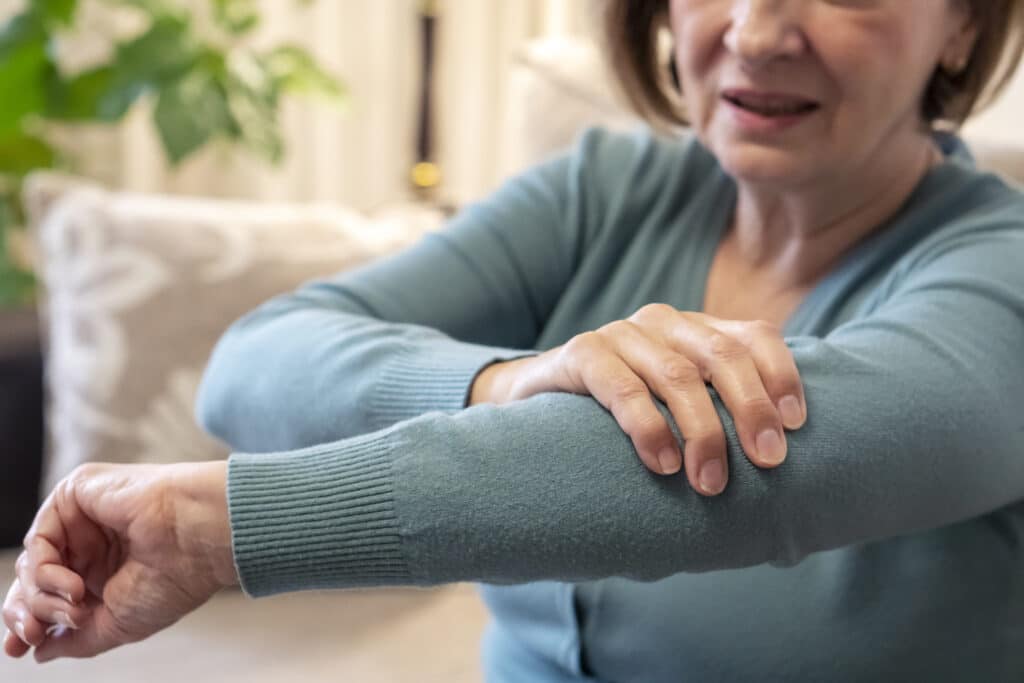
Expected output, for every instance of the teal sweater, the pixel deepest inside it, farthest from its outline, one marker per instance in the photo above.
(888, 546)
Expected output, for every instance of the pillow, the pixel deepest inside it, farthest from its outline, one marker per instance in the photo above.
(137, 289)
(557, 86)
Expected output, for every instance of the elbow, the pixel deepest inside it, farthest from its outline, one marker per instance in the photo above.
(217, 393)
(207, 410)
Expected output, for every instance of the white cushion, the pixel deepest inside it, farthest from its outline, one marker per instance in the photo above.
(138, 288)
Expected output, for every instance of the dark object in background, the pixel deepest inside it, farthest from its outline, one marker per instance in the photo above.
(21, 422)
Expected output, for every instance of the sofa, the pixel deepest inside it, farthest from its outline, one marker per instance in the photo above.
(138, 288)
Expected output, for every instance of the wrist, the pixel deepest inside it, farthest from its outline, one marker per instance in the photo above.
(202, 521)
(497, 383)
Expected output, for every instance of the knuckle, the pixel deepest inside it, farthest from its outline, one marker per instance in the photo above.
(580, 345)
(625, 389)
(787, 385)
(651, 311)
(725, 348)
(647, 428)
(710, 441)
(681, 373)
(615, 327)
(760, 407)
(765, 328)
(83, 473)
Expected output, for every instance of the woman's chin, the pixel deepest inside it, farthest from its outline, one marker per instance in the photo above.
(772, 167)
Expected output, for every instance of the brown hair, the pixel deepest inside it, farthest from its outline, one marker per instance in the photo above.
(631, 29)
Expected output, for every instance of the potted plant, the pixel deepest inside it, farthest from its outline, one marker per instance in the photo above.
(204, 82)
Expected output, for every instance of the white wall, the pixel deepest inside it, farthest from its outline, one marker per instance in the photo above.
(1004, 121)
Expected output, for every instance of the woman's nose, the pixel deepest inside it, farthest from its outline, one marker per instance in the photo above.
(764, 30)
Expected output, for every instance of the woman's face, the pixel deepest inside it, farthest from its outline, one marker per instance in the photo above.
(785, 92)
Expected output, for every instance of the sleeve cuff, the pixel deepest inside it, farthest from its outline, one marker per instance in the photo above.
(435, 377)
(315, 518)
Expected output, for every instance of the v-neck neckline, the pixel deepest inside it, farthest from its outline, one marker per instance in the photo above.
(720, 217)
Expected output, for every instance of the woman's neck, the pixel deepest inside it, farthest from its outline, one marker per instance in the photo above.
(796, 236)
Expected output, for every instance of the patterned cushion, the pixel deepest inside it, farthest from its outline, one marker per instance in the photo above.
(138, 288)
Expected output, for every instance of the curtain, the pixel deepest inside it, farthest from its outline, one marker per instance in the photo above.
(361, 154)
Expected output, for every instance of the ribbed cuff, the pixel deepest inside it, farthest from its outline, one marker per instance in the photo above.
(319, 517)
(430, 377)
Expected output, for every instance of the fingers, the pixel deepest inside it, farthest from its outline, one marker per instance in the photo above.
(15, 646)
(61, 581)
(47, 591)
(40, 568)
(19, 621)
(678, 383)
(775, 365)
(99, 635)
(50, 609)
(727, 364)
(615, 385)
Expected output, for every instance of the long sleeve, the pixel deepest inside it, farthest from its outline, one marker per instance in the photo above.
(914, 423)
(356, 464)
(408, 333)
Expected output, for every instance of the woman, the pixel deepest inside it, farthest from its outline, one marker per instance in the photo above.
(860, 285)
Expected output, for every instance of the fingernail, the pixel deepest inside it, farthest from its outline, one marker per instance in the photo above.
(670, 461)
(712, 477)
(64, 619)
(770, 447)
(792, 414)
(20, 629)
(67, 596)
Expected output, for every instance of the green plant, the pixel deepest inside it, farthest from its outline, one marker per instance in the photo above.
(205, 83)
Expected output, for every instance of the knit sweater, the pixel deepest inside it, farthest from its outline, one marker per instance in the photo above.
(888, 546)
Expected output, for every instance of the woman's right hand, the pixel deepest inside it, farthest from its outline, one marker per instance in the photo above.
(117, 553)
(672, 354)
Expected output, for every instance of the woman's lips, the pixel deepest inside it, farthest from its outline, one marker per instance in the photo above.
(763, 112)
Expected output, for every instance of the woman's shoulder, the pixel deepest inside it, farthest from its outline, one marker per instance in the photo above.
(964, 219)
(639, 152)
(638, 175)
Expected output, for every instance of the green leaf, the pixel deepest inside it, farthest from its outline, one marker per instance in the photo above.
(157, 58)
(79, 98)
(21, 153)
(16, 286)
(59, 12)
(152, 8)
(237, 17)
(294, 70)
(21, 86)
(21, 30)
(254, 99)
(190, 112)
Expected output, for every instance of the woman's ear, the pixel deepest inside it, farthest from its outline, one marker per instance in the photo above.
(962, 37)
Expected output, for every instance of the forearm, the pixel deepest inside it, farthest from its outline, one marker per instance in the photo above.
(550, 488)
(308, 376)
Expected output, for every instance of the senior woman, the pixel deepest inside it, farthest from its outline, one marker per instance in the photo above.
(511, 401)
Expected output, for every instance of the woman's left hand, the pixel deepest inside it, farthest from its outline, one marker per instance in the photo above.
(117, 553)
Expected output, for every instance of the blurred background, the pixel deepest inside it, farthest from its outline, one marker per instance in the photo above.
(167, 165)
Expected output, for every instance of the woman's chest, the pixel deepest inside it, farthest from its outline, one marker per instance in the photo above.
(733, 292)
